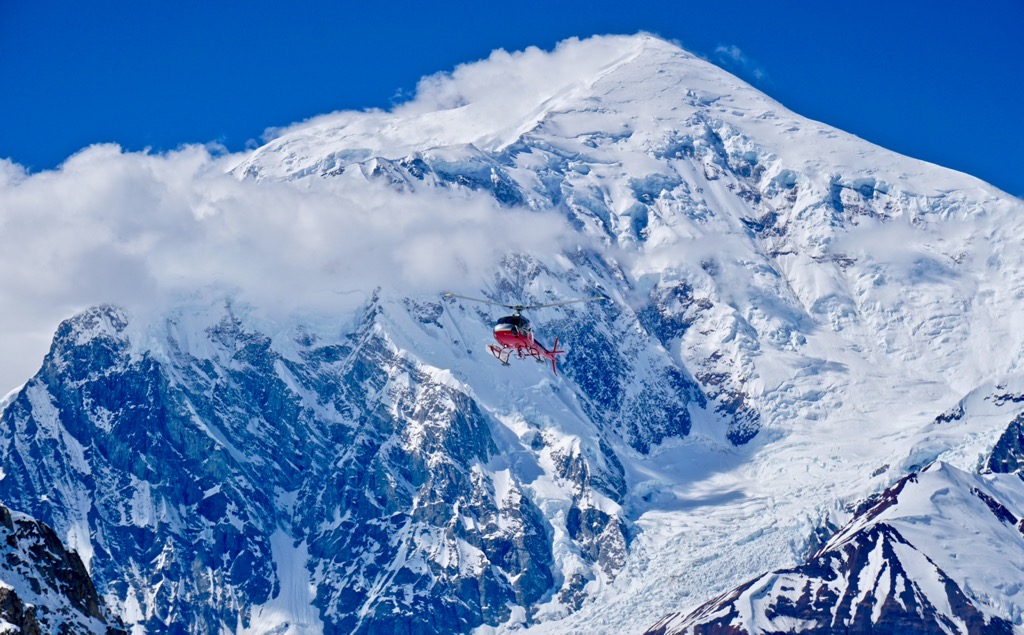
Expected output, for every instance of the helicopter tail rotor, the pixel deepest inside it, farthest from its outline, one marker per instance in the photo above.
(555, 352)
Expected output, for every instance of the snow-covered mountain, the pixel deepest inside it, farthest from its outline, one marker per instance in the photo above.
(798, 320)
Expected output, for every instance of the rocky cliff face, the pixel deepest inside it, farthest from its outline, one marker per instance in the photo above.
(44, 588)
(205, 477)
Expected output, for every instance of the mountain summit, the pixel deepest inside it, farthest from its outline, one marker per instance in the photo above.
(799, 321)
(637, 89)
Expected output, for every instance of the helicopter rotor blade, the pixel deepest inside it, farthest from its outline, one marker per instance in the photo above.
(449, 294)
(543, 306)
(521, 307)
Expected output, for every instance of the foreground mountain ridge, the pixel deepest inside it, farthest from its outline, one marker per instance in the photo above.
(938, 552)
(792, 310)
(43, 587)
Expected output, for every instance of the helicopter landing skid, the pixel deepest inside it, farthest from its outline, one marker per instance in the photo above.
(502, 354)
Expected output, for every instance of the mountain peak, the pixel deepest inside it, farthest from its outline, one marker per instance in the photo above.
(486, 104)
(637, 89)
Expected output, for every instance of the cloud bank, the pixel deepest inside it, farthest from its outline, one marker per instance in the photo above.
(139, 230)
(513, 84)
(483, 102)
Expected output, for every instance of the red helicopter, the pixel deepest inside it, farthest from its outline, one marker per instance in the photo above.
(515, 335)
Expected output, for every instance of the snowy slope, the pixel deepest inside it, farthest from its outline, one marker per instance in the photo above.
(795, 313)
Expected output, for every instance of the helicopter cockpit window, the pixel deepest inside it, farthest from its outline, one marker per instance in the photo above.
(517, 321)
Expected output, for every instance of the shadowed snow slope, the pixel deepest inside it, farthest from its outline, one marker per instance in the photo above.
(798, 320)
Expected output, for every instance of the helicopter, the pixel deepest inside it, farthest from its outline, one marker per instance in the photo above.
(514, 334)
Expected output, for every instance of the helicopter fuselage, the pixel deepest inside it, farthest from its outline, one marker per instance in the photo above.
(514, 334)
(514, 331)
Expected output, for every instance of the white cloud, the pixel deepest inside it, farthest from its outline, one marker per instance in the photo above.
(514, 83)
(734, 59)
(476, 102)
(138, 229)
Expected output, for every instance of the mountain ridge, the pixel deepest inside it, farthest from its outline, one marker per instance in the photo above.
(44, 587)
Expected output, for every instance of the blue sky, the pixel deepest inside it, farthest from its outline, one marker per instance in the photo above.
(939, 81)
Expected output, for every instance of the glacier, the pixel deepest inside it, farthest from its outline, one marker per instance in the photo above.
(799, 320)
